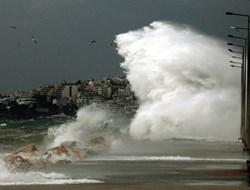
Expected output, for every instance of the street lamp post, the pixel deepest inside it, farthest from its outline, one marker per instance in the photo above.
(247, 81)
(238, 28)
(246, 136)
(243, 90)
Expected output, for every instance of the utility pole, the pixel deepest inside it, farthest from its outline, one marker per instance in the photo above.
(246, 130)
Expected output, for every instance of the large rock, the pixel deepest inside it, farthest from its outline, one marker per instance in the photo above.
(70, 144)
(98, 144)
(17, 163)
(28, 158)
(37, 164)
(67, 151)
(100, 140)
(59, 150)
(30, 149)
(83, 153)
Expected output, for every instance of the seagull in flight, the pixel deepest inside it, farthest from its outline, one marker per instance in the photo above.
(33, 39)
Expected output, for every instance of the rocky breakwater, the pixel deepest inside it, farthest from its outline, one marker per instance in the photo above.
(29, 158)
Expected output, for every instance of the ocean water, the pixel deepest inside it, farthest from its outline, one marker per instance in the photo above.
(172, 161)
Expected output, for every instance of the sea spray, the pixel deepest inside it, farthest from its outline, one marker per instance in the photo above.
(91, 122)
(184, 83)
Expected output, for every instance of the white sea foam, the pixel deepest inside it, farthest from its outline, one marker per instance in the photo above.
(184, 83)
(51, 182)
(163, 158)
(3, 124)
(36, 178)
(142, 158)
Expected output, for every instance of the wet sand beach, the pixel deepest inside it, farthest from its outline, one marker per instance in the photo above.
(210, 175)
(126, 187)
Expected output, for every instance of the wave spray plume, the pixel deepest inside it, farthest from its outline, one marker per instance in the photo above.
(91, 122)
(184, 83)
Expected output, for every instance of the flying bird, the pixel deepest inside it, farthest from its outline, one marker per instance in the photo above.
(33, 39)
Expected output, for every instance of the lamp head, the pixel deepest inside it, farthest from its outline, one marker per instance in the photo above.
(235, 27)
(236, 57)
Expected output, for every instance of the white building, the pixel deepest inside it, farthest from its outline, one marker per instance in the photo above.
(26, 101)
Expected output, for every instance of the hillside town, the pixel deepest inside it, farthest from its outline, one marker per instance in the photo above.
(63, 99)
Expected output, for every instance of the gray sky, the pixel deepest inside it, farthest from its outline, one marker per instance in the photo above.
(64, 29)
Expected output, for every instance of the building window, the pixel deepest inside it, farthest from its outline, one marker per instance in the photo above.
(70, 91)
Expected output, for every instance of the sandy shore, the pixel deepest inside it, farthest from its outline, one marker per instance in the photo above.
(124, 187)
(208, 175)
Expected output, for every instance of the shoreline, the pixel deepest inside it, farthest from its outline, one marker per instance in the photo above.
(126, 187)
(208, 181)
